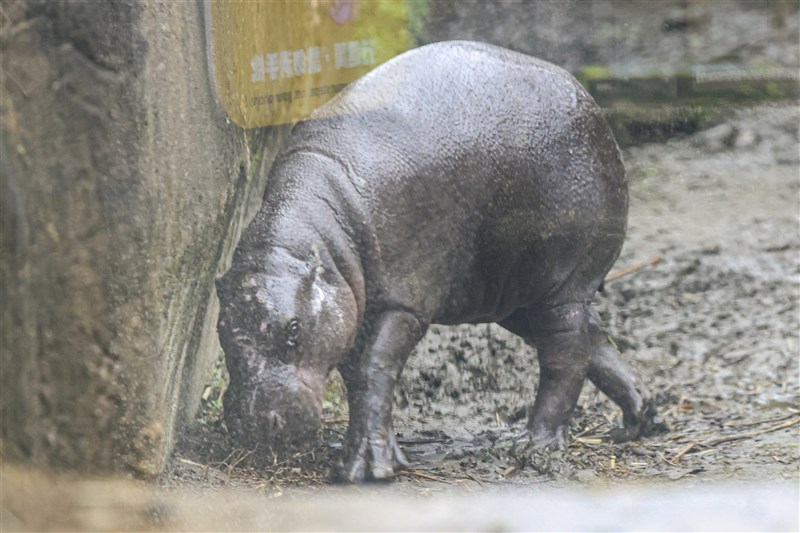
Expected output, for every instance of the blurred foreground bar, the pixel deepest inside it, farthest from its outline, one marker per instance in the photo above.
(31, 501)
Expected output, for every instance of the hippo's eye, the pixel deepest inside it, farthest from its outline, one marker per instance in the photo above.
(292, 332)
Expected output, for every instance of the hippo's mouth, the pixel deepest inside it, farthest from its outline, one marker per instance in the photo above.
(280, 407)
(314, 386)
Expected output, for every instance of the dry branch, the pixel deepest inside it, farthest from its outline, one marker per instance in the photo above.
(710, 443)
(633, 268)
(416, 473)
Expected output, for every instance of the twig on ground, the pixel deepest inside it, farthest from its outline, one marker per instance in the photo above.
(587, 430)
(420, 442)
(473, 478)
(334, 419)
(633, 268)
(590, 441)
(241, 458)
(678, 456)
(729, 438)
(416, 473)
(765, 421)
(751, 434)
(190, 462)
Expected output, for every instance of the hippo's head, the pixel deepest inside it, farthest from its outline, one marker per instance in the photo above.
(282, 332)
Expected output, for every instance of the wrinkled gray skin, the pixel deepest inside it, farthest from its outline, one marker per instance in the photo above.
(457, 183)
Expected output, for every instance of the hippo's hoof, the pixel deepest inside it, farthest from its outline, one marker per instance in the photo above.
(645, 423)
(542, 453)
(542, 439)
(376, 458)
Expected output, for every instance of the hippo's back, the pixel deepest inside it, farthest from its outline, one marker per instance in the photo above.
(481, 91)
(484, 171)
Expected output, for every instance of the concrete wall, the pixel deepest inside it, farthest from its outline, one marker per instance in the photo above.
(123, 185)
(636, 37)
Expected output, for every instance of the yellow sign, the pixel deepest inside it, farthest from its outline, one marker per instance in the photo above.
(274, 61)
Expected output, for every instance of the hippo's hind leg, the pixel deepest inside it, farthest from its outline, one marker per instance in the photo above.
(617, 381)
(370, 372)
(571, 345)
(561, 336)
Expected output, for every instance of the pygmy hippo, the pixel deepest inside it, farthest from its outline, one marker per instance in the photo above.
(457, 183)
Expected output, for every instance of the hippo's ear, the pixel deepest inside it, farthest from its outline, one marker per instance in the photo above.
(316, 266)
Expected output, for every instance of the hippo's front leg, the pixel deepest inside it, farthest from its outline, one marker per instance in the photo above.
(370, 373)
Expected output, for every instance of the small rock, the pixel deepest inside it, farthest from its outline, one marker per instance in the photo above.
(719, 137)
(745, 139)
(585, 475)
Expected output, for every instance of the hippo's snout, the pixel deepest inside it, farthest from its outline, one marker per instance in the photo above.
(279, 414)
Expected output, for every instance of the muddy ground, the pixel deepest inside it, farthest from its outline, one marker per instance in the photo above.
(712, 329)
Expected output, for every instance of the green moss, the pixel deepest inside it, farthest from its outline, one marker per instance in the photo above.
(592, 72)
(417, 13)
(389, 26)
(637, 123)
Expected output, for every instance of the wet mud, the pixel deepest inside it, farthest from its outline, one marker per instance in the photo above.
(712, 329)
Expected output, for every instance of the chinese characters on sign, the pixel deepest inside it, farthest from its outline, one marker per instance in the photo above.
(274, 62)
(291, 63)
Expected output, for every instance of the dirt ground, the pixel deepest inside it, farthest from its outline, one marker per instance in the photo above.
(712, 329)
